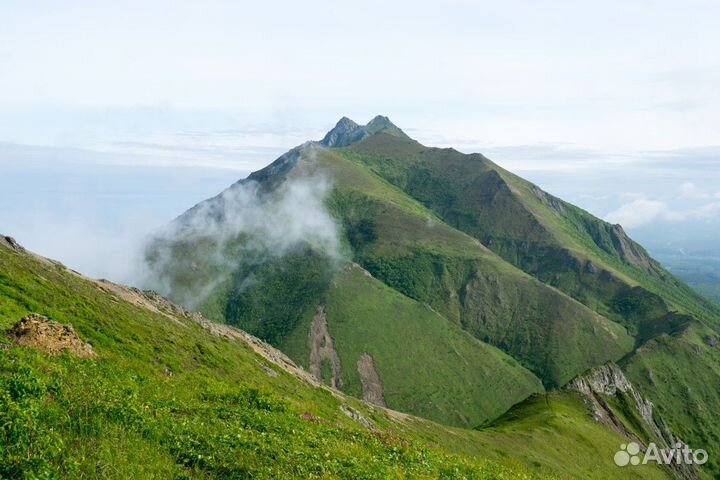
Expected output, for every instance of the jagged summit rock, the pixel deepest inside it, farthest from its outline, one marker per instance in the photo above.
(378, 123)
(346, 132)
(346, 123)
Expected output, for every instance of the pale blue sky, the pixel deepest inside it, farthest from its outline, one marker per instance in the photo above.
(145, 107)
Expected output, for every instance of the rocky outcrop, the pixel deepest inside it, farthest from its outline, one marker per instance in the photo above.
(549, 200)
(343, 134)
(358, 417)
(610, 381)
(346, 132)
(39, 332)
(630, 251)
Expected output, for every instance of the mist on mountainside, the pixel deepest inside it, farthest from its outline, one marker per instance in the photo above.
(244, 225)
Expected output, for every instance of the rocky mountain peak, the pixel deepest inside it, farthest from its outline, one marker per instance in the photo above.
(346, 132)
(379, 122)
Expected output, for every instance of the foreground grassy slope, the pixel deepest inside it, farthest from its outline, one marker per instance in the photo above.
(166, 398)
(555, 434)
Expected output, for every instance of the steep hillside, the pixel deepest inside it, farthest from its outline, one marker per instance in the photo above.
(680, 374)
(590, 260)
(287, 296)
(558, 243)
(463, 285)
(366, 254)
(416, 253)
(119, 383)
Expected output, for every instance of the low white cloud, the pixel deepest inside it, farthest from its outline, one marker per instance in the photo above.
(293, 214)
(642, 212)
(708, 212)
(85, 246)
(638, 213)
(247, 224)
(690, 191)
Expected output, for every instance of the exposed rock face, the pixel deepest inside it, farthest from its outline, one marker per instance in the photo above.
(10, 242)
(343, 134)
(347, 132)
(280, 167)
(590, 267)
(358, 417)
(609, 381)
(712, 341)
(630, 251)
(551, 201)
(322, 349)
(371, 384)
(39, 332)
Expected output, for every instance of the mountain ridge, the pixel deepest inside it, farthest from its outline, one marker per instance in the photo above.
(542, 281)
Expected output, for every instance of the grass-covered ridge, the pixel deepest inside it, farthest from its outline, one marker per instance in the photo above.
(409, 248)
(554, 241)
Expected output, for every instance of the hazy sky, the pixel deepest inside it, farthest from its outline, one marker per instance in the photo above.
(614, 75)
(613, 105)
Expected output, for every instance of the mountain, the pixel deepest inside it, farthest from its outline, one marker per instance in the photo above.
(99, 380)
(439, 284)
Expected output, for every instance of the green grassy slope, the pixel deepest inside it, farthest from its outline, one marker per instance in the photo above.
(554, 426)
(581, 255)
(366, 316)
(167, 399)
(410, 249)
(681, 376)
(553, 433)
(556, 242)
(428, 366)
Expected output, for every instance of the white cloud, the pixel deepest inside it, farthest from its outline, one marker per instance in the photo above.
(642, 212)
(638, 213)
(253, 224)
(710, 211)
(690, 191)
(83, 245)
(567, 72)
